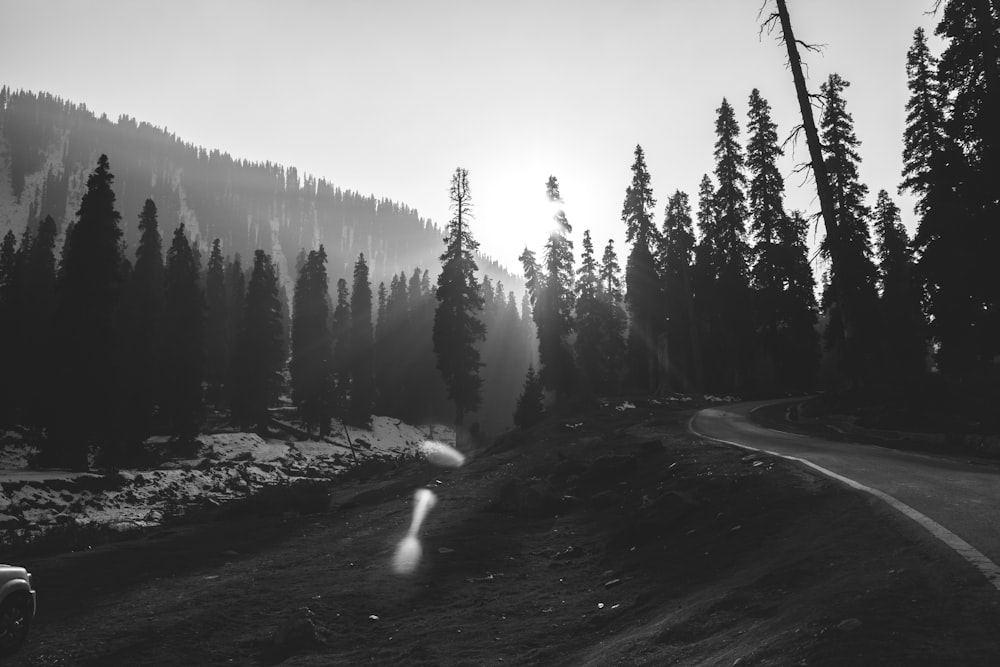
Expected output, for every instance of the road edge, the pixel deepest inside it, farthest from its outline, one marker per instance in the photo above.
(973, 556)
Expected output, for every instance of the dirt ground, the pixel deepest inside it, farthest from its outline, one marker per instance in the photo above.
(609, 537)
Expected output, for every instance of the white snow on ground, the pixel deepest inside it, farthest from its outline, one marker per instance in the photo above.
(226, 466)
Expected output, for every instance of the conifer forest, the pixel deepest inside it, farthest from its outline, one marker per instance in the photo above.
(144, 280)
(690, 355)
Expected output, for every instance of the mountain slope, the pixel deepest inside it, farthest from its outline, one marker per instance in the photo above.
(48, 146)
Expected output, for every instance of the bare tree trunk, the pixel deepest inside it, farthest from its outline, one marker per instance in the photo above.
(848, 314)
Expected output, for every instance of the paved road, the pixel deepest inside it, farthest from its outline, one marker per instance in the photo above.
(962, 497)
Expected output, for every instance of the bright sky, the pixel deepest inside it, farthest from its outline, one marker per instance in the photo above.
(389, 96)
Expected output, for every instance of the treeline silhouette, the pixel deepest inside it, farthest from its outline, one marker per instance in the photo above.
(52, 144)
(733, 308)
(111, 350)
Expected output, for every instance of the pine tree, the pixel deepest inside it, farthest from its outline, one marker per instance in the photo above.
(952, 159)
(216, 325)
(675, 256)
(588, 340)
(362, 346)
(784, 300)
(553, 312)
(341, 329)
(236, 297)
(144, 313)
(902, 327)
(732, 255)
(181, 352)
(610, 273)
(8, 339)
(855, 274)
(529, 410)
(380, 355)
(87, 400)
(797, 349)
(35, 322)
(457, 327)
(598, 342)
(705, 287)
(642, 283)
(258, 359)
(311, 366)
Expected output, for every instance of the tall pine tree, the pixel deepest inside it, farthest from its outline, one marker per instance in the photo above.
(258, 358)
(144, 313)
(311, 366)
(362, 346)
(642, 283)
(457, 325)
(903, 351)
(182, 361)
(87, 388)
(675, 256)
(216, 325)
(784, 300)
(854, 275)
(553, 312)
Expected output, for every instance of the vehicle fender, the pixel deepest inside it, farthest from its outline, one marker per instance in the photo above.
(13, 586)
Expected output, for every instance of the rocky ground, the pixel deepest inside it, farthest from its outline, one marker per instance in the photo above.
(604, 537)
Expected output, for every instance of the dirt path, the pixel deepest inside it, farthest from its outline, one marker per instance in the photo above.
(589, 541)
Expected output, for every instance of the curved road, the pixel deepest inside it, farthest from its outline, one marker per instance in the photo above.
(962, 500)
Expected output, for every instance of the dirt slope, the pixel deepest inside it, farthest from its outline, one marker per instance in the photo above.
(608, 538)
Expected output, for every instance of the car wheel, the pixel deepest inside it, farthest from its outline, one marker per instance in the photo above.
(15, 617)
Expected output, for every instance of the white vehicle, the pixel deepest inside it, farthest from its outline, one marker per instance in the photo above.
(17, 607)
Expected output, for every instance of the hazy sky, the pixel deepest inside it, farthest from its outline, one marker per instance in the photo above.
(389, 96)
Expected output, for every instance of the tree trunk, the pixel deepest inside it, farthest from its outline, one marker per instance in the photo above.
(848, 313)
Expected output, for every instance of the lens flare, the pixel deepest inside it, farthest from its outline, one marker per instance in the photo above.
(441, 454)
(409, 550)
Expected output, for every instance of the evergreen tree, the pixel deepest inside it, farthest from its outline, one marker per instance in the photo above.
(705, 285)
(457, 327)
(8, 390)
(675, 257)
(732, 255)
(37, 290)
(903, 350)
(797, 348)
(258, 360)
(783, 283)
(362, 347)
(311, 366)
(236, 296)
(181, 360)
(143, 312)
(529, 409)
(553, 312)
(642, 282)
(341, 350)
(598, 342)
(950, 162)
(216, 325)
(855, 274)
(610, 272)
(87, 400)
(534, 277)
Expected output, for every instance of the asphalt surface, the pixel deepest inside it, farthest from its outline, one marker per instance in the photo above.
(960, 495)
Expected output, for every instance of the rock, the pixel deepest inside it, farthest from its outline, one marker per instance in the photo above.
(849, 624)
(568, 552)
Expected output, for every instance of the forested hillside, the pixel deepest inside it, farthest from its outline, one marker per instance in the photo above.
(192, 262)
(49, 145)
